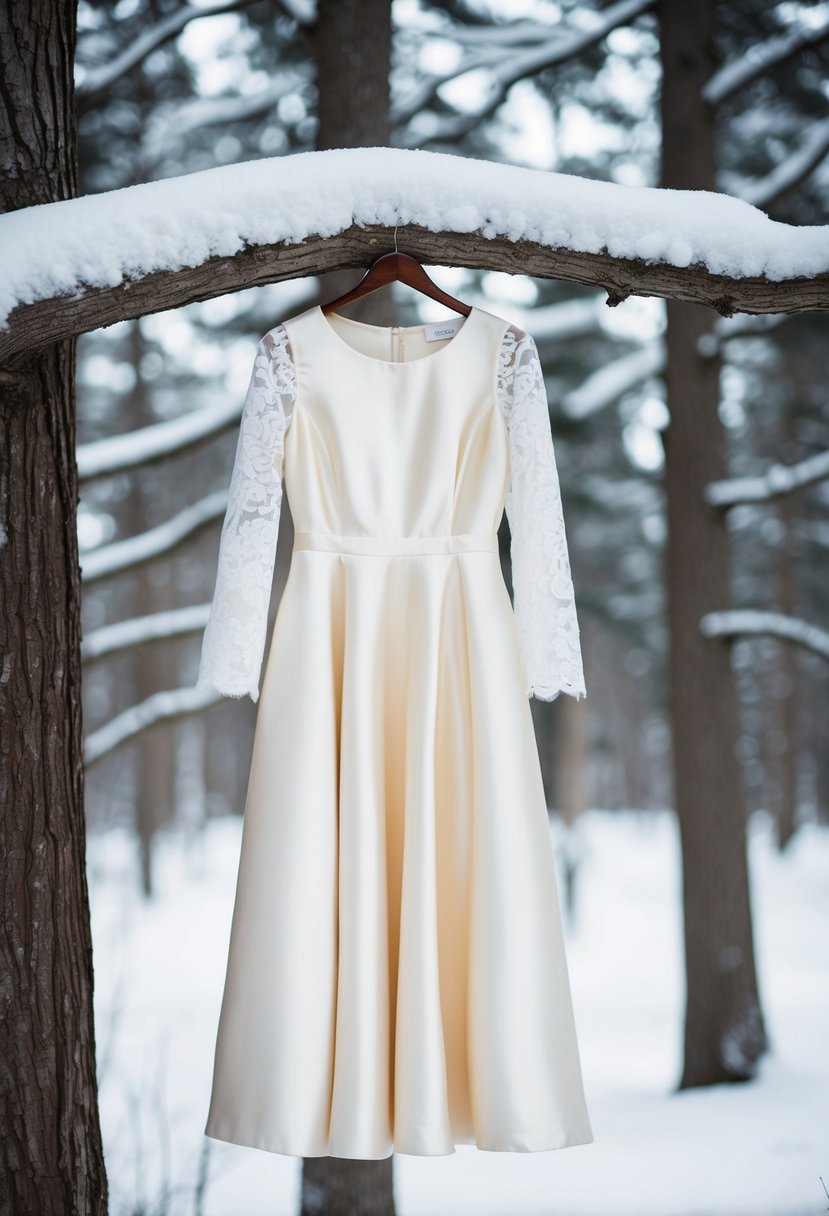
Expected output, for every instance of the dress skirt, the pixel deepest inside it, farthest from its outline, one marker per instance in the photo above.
(397, 979)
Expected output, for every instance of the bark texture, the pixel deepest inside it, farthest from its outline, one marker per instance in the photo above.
(51, 1159)
(724, 1032)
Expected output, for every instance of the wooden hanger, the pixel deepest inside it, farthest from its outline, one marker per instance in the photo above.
(401, 268)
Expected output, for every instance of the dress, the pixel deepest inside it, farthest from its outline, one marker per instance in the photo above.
(396, 977)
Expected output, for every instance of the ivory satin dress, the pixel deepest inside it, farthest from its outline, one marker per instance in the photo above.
(396, 977)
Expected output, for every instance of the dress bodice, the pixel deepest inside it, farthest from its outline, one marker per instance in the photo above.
(408, 448)
(406, 440)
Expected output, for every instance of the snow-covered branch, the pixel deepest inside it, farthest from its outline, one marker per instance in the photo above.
(135, 550)
(102, 457)
(774, 483)
(789, 173)
(160, 707)
(84, 263)
(125, 635)
(725, 329)
(608, 384)
(177, 121)
(748, 622)
(759, 58)
(506, 63)
(96, 81)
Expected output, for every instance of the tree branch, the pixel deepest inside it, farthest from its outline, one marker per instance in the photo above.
(125, 635)
(103, 457)
(774, 483)
(97, 81)
(609, 383)
(759, 58)
(164, 538)
(180, 240)
(766, 191)
(160, 707)
(545, 47)
(750, 623)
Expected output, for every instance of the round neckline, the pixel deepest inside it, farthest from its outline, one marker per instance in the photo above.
(387, 329)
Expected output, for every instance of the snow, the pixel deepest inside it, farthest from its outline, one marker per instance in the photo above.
(742, 1150)
(762, 55)
(751, 622)
(101, 240)
(778, 479)
(607, 384)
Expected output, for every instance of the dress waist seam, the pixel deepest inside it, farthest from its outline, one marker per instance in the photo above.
(458, 542)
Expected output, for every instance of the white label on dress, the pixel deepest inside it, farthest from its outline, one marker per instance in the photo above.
(441, 329)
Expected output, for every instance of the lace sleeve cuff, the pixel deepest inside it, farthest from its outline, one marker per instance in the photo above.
(234, 638)
(543, 596)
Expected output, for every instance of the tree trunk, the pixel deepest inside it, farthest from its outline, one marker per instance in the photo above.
(352, 43)
(724, 1031)
(150, 664)
(785, 689)
(51, 1151)
(352, 49)
(339, 1186)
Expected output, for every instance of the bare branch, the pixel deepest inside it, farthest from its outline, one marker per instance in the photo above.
(137, 550)
(759, 58)
(774, 483)
(750, 623)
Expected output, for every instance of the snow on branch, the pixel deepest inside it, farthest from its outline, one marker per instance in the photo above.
(135, 550)
(749, 622)
(84, 263)
(160, 707)
(505, 63)
(125, 635)
(609, 383)
(762, 56)
(789, 173)
(102, 457)
(774, 483)
(725, 329)
(96, 81)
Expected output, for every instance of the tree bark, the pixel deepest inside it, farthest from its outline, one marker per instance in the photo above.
(724, 1031)
(51, 1159)
(44, 321)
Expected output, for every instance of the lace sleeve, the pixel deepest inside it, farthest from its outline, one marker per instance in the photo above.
(543, 596)
(234, 638)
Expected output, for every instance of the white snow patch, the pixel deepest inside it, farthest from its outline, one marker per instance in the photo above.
(729, 1150)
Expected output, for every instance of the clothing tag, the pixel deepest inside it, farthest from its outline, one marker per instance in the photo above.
(441, 329)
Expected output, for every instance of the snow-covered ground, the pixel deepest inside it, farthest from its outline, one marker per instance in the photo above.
(758, 1149)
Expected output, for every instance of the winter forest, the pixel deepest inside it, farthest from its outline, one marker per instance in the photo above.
(641, 186)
